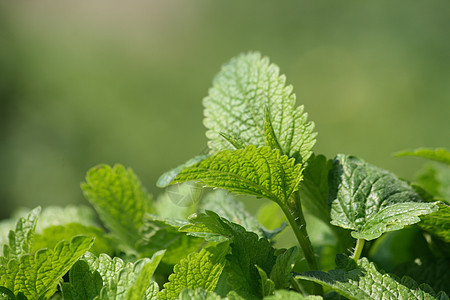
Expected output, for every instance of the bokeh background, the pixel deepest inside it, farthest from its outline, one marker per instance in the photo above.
(89, 82)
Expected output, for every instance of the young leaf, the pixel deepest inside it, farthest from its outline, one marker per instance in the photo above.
(119, 198)
(361, 280)
(247, 251)
(21, 239)
(198, 294)
(281, 273)
(198, 270)
(370, 200)
(38, 275)
(60, 216)
(246, 86)
(438, 223)
(267, 284)
(225, 205)
(290, 295)
(50, 236)
(253, 171)
(166, 178)
(125, 280)
(438, 154)
(159, 233)
(83, 284)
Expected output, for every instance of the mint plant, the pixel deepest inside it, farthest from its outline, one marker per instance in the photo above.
(341, 213)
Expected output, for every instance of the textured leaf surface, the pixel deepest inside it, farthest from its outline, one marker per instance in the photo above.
(243, 89)
(83, 284)
(60, 216)
(261, 172)
(165, 179)
(119, 198)
(125, 280)
(361, 280)
(198, 294)
(37, 275)
(50, 236)
(247, 251)
(370, 200)
(281, 273)
(198, 270)
(160, 233)
(314, 187)
(226, 206)
(21, 239)
(438, 223)
(438, 154)
(290, 295)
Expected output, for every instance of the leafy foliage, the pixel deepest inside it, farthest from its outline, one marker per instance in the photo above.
(261, 172)
(370, 200)
(260, 145)
(361, 280)
(119, 198)
(438, 154)
(235, 107)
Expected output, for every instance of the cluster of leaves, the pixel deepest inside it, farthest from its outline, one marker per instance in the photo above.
(196, 243)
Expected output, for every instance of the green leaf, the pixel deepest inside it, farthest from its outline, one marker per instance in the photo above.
(290, 295)
(21, 239)
(60, 216)
(198, 270)
(314, 187)
(438, 223)
(6, 294)
(82, 284)
(125, 280)
(261, 172)
(370, 200)
(160, 233)
(225, 205)
(120, 200)
(247, 251)
(38, 275)
(198, 294)
(361, 280)
(435, 178)
(437, 154)
(50, 236)
(179, 200)
(267, 284)
(243, 89)
(166, 178)
(281, 273)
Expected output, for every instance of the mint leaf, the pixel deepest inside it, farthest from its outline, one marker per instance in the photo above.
(198, 294)
(225, 205)
(21, 239)
(437, 154)
(314, 187)
(371, 200)
(159, 233)
(361, 280)
(267, 284)
(246, 86)
(247, 251)
(120, 200)
(435, 178)
(38, 275)
(290, 295)
(281, 273)
(166, 178)
(261, 172)
(82, 284)
(60, 216)
(6, 294)
(438, 223)
(198, 270)
(50, 236)
(125, 280)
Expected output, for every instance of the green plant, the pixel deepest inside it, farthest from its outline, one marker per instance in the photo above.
(260, 145)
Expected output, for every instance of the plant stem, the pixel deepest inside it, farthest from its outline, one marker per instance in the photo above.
(358, 249)
(294, 214)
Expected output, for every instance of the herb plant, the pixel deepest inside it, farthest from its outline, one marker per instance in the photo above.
(193, 242)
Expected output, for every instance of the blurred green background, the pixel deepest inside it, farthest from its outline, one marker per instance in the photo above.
(89, 82)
